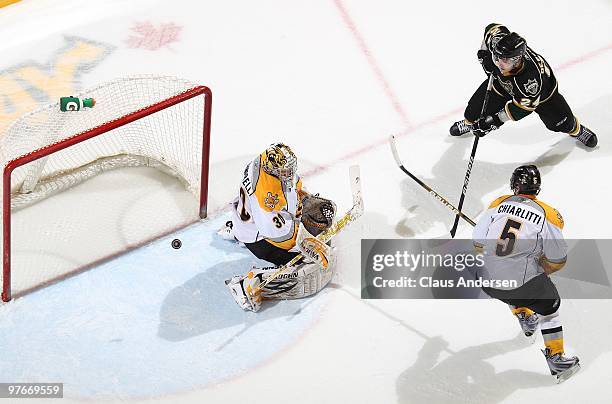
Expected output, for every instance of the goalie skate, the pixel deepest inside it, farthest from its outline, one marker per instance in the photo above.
(245, 290)
(227, 231)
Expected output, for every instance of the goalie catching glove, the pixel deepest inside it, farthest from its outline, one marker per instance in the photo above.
(317, 213)
(317, 216)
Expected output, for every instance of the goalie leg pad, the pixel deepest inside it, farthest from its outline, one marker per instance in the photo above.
(302, 280)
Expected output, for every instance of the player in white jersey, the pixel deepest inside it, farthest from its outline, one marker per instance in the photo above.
(522, 241)
(270, 211)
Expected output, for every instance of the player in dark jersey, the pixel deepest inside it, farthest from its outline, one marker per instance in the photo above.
(523, 83)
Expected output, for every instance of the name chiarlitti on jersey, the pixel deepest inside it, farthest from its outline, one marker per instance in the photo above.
(270, 212)
(523, 83)
(522, 241)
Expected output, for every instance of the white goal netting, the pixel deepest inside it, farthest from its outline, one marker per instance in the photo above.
(78, 175)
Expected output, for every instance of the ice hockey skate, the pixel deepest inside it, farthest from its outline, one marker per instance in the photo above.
(243, 287)
(460, 128)
(529, 324)
(227, 231)
(561, 366)
(586, 137)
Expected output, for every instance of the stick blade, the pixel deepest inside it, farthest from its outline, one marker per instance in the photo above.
(394, 150)
(454, 228)
(355, 176)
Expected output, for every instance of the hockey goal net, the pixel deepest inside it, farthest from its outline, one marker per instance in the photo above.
(143, 136)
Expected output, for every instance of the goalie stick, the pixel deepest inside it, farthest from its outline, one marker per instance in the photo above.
(427, 187)
(350, 216)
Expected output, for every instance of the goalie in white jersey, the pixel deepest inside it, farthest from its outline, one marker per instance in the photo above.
(268, 214)
(522, 241)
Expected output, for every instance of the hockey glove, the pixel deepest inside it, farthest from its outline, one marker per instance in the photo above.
(313, 249)
(486, 125)
(484, 57)
(317, 214)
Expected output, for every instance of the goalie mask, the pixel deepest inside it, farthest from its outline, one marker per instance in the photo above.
(278, 160)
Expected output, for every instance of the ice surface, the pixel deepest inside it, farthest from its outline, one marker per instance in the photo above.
(333, 79)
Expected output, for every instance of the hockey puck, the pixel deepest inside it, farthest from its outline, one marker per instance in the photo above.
(176, 244)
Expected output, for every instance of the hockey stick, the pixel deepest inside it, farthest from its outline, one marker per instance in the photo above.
(427, 188)
(472, 155)
(350, 216)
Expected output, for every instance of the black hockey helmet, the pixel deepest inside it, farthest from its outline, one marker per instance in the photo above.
(526, 180)
(509, 46)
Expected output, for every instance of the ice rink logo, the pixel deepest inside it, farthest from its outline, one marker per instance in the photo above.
(147, 36)
(27, 85)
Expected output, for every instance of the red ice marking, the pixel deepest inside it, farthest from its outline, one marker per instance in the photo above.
(380, 142)
(584, 57)
(145, 35)
(372, 62)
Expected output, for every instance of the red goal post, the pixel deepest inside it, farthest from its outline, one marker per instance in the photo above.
(155, 121)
